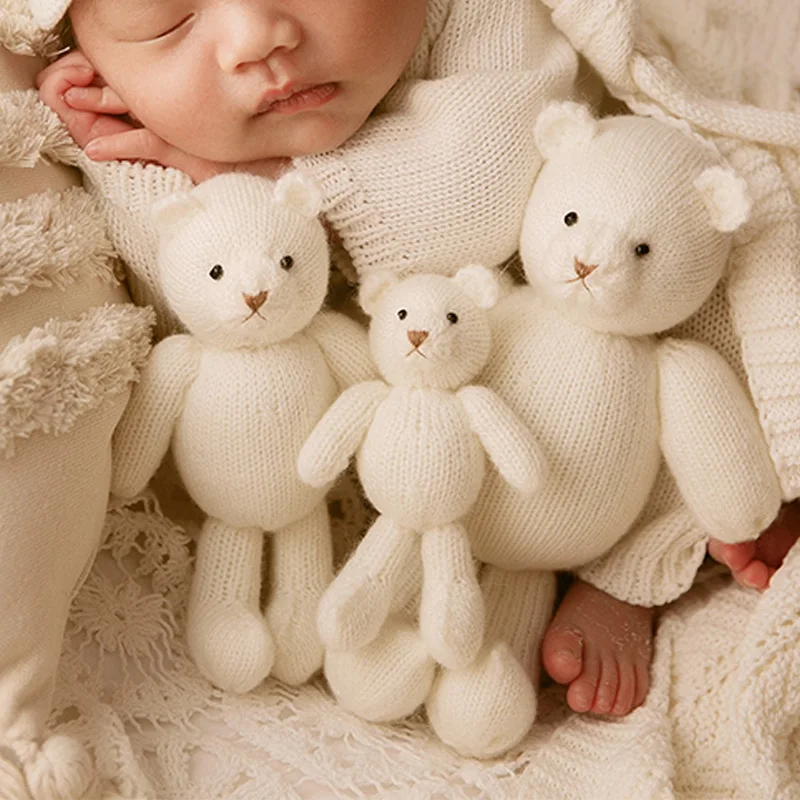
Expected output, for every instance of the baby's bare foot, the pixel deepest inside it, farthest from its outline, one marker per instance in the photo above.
(754, 563)
(602, 648)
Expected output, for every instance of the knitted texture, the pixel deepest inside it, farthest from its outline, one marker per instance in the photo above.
(244, 265)
(420, 439)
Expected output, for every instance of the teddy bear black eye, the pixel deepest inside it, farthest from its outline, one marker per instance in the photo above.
(452, 318)
(571, 218)
(216, 272)
(287, 262)
(642, 249)
(402, 313)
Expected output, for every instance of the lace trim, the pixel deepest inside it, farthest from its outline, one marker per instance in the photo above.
(50, 240)
(56, 373)
(31, 131)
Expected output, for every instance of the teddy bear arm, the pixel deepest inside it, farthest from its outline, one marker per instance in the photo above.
(339, 433)
(344, 344)
(713, 443)
(509, 444)
(144, 432)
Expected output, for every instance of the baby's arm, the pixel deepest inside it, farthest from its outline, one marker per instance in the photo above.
(142, 437)
(439, 175)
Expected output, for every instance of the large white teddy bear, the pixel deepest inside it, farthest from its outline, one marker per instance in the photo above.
(627, 231)
(244, 265)
(421, 436)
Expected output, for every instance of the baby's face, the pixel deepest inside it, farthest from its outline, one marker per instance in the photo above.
(243, 80)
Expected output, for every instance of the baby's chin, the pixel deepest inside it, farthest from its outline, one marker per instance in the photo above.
(309, 137)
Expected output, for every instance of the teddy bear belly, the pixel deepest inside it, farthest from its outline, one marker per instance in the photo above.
(244, 421)
(591, 402)
(420, 463)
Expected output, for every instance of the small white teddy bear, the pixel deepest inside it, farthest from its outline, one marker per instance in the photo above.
(244, 265)
(421, 435)
(627, 231)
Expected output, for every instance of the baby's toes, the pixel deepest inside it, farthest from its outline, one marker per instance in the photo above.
(562, 653)
(609, 684)
(581, 692)
(641, 671)
(626, 691)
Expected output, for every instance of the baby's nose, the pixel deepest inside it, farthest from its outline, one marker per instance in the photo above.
(417, 337)
(250, 31)
(255, 301)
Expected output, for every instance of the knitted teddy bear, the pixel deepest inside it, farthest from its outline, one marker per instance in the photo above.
(244, 265)
(627, 231)
(421, 435)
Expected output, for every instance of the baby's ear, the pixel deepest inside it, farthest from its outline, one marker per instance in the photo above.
(300, 192)
(373, 287)
(563, 126)
(725, 195)
(479, 284)
(173, 209)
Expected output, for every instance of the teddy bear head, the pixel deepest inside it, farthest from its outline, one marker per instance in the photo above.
(430, 331)
(630, 221)
(243, 261)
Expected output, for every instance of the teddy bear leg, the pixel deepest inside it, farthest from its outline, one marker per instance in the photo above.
(227, 634)
(386, 680)
(487, 708)
(355, 606)
(301, 569)
(451, 616)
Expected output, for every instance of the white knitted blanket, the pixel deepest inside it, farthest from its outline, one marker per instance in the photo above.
(720, 720)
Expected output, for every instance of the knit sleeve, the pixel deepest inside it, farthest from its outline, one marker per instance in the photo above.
(657, 560)
(440, 174)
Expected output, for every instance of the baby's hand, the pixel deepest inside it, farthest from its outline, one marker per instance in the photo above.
(754, 563)
(92, 113)
(72, 88)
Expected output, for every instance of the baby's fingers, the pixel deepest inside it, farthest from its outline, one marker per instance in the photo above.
(735, 556)
(141, 144)
(97, 99)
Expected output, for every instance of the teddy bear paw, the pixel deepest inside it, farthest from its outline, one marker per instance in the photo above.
(386, 680)
(231, 645)
(486, 708)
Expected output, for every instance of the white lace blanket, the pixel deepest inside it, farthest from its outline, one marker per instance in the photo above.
(719, 721)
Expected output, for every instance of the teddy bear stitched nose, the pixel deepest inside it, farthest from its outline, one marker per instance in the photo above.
(255, 301)
(584, 270)
(417, 337)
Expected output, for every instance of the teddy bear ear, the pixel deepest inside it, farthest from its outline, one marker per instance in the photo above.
(173, 209)
(479, 284)
(725, 195)
(299, 191)
(563, 126)
(373, 287)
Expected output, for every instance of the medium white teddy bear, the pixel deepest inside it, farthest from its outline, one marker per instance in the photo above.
(627, 231)
(244, 265)
(421, 435)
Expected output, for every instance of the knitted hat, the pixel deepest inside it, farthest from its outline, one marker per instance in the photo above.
(48, 13)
